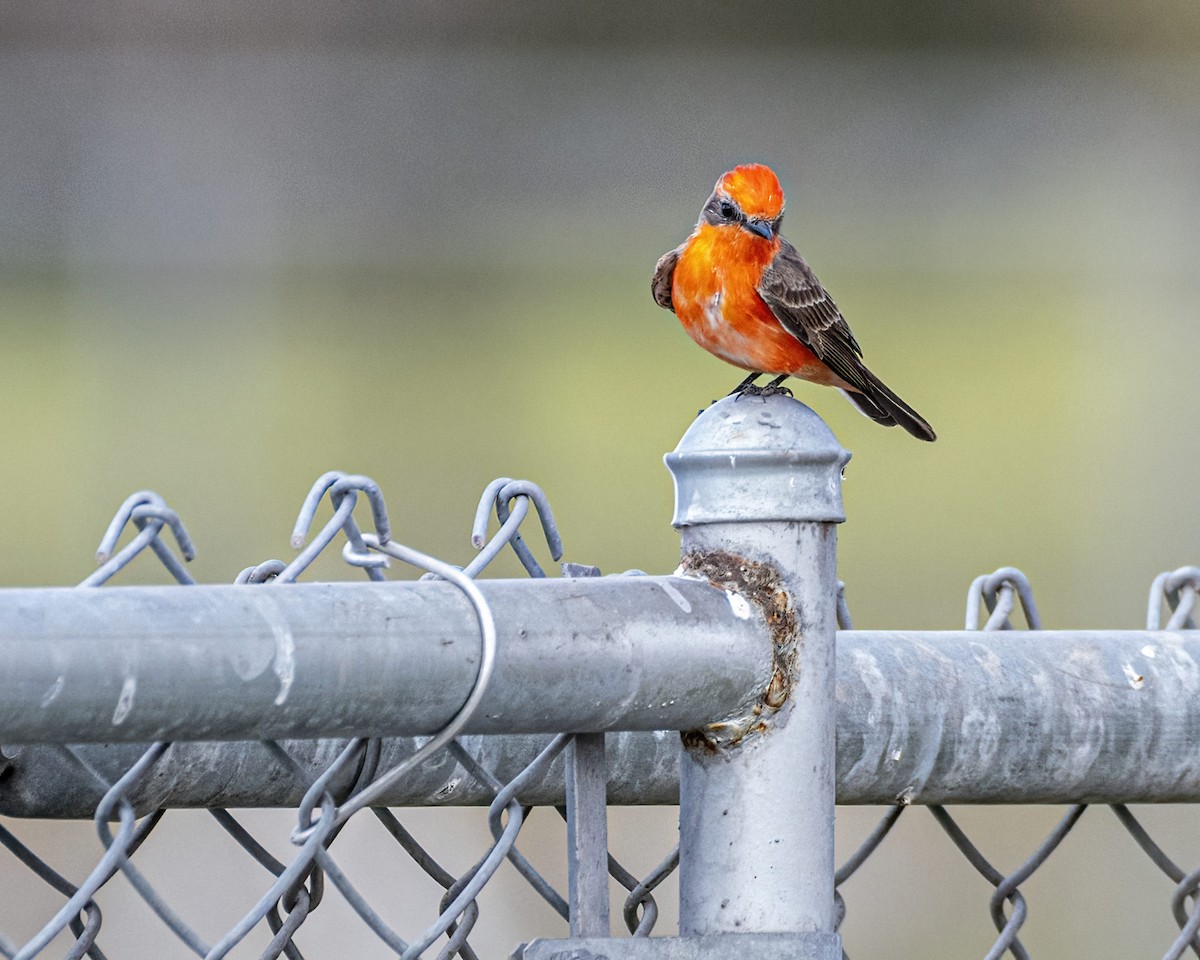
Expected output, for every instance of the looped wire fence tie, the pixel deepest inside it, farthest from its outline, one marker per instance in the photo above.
(499, 493)
(1176, 589)
(319, 789)
(343, 492)
(306, 891)
(487, 664)
(149, 513)
(458, 909)
(998, 591)
(355, 552)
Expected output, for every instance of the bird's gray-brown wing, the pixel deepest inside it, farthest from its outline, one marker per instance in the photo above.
(664, 275)
(803, 308)
(807, 312)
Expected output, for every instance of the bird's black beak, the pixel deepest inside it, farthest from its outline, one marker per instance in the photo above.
(760, 227)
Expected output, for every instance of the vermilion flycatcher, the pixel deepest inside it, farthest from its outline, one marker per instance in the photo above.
(744, 294)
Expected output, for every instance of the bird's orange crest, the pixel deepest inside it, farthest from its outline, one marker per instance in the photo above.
(755, 188)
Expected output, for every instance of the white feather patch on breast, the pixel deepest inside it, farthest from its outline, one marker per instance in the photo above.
(714, 316)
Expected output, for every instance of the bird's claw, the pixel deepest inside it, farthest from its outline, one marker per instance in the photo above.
(747, 390)
(753, 390)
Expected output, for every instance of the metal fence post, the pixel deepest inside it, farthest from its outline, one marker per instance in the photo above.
(758, 495)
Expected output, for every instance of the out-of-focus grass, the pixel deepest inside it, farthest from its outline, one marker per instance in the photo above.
(230, 395)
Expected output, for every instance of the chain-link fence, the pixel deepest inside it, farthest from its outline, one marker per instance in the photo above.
(350, 701)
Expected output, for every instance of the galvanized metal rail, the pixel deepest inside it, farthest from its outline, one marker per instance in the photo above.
(131, 664)
(1063, 716)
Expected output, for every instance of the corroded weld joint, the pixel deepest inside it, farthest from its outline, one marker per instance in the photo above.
(762, 585)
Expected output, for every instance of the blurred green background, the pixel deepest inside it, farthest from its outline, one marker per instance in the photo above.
(241, 245)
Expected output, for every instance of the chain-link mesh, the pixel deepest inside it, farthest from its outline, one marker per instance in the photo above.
(355, 780)
(298, 886)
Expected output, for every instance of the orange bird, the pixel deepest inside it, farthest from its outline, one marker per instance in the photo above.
(745, 295)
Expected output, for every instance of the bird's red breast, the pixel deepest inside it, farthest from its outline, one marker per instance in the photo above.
(715, 294)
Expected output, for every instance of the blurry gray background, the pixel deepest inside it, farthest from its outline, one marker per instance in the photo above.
(242, 244)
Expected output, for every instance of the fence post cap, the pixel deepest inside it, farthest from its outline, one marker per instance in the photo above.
(749, 458)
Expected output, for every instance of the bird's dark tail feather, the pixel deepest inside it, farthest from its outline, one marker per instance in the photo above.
(883, 406)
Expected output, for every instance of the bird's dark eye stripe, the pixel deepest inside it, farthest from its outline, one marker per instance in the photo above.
(721, 210)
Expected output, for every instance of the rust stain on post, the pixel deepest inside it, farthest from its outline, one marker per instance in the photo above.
(762, 585)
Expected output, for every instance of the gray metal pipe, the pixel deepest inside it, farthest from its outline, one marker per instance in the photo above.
(758, 494)
(1052, 716)
(131, 664)
(1106, 716)
(46, 782)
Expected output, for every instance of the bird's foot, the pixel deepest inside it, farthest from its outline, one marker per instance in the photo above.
(770, 390)
(747, 390)
(773, 389)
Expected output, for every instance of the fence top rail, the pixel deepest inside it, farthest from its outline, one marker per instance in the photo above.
(134, 664)
(924, 716)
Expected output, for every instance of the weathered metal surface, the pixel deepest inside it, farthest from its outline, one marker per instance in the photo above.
(1054, 716)
(129, 664)
(758, 493)
(757, 459)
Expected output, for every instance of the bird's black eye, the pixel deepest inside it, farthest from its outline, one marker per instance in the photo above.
(728, 210)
